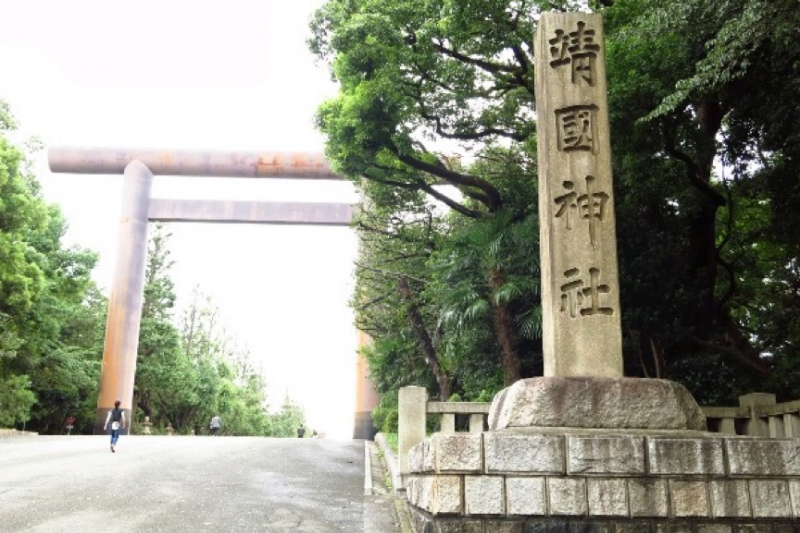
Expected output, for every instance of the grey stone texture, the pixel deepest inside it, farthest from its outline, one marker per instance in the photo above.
(633, 527)
(533, 454)
(605, 455)
(689, 498)
(411, 414)
(607, 497)
(794, 489)
(484, 495)
(715, 528)
(648, 497)
(770, 498)
(427, 456)
(685, 456)
(416, 458)
(436, 494)
(729, 498)
(755, 528)
(456, 452)
(581, 334)
(675, 527)
(504, 527)
(424, 523)
(593, 402)
(567, 496)
(523, 474)
(525, 496)
(770, 457)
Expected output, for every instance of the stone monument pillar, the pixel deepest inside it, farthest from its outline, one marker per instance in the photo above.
(580, 290)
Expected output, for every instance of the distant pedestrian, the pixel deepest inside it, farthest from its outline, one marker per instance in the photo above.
(216, 423)
(301, 431)
(117, 418)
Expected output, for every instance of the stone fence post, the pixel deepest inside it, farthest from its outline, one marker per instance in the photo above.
(412, 403)
(756, 426)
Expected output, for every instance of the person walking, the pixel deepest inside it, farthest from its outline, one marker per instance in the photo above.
(117, 418)
(216, 423)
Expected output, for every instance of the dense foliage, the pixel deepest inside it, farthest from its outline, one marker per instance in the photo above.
(436, 108)
(50, 312)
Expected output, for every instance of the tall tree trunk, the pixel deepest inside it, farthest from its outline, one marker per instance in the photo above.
(424, 339)
(506, 333)
(701, 254)
(703, 230)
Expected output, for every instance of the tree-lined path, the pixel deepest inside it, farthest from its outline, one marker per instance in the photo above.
(186, 484)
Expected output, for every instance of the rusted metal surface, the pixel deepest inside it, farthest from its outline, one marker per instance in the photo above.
(301, 165)
(366, 394)
(302, 213)
(125, 302)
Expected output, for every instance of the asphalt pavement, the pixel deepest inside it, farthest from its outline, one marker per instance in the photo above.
(187, 484)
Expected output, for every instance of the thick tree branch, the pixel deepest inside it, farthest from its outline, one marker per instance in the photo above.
(759, 367)
(488, 66)
(427, 243)
(521, 74)
(693, 171)
(492, 198)
(388, 273)
(424, 187)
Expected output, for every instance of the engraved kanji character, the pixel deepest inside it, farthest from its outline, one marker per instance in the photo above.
(576, 126)
(592, 294)
(590, 206)
(578, 299)
(578, 48)
(567, 204)
(572, 293)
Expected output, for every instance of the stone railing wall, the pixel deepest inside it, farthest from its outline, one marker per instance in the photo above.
(758, 415)
(476, 411)
(413, 412)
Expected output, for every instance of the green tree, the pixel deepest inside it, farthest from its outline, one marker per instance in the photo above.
(416, 75)
(705, 162)
(44, 292)
(285, 422)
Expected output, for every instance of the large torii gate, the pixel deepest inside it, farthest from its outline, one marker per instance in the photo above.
(138, 209)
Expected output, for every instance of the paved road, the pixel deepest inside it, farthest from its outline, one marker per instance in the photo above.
(186, 484)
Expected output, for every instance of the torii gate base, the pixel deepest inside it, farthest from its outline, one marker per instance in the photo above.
(138, 209)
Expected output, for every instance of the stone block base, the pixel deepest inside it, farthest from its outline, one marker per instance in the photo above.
(422, 522)
(542, 480)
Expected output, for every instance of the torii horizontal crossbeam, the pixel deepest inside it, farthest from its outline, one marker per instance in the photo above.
(304, 213)
(302, 165)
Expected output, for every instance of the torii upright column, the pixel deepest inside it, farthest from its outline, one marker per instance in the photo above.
(125, 303)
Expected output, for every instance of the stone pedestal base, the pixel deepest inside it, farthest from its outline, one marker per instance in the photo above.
(596, 402)
(570, 480)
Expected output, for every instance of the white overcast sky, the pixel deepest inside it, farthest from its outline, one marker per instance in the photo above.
(233, 75)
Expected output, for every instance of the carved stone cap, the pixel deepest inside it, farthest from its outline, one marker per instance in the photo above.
(596, 402)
